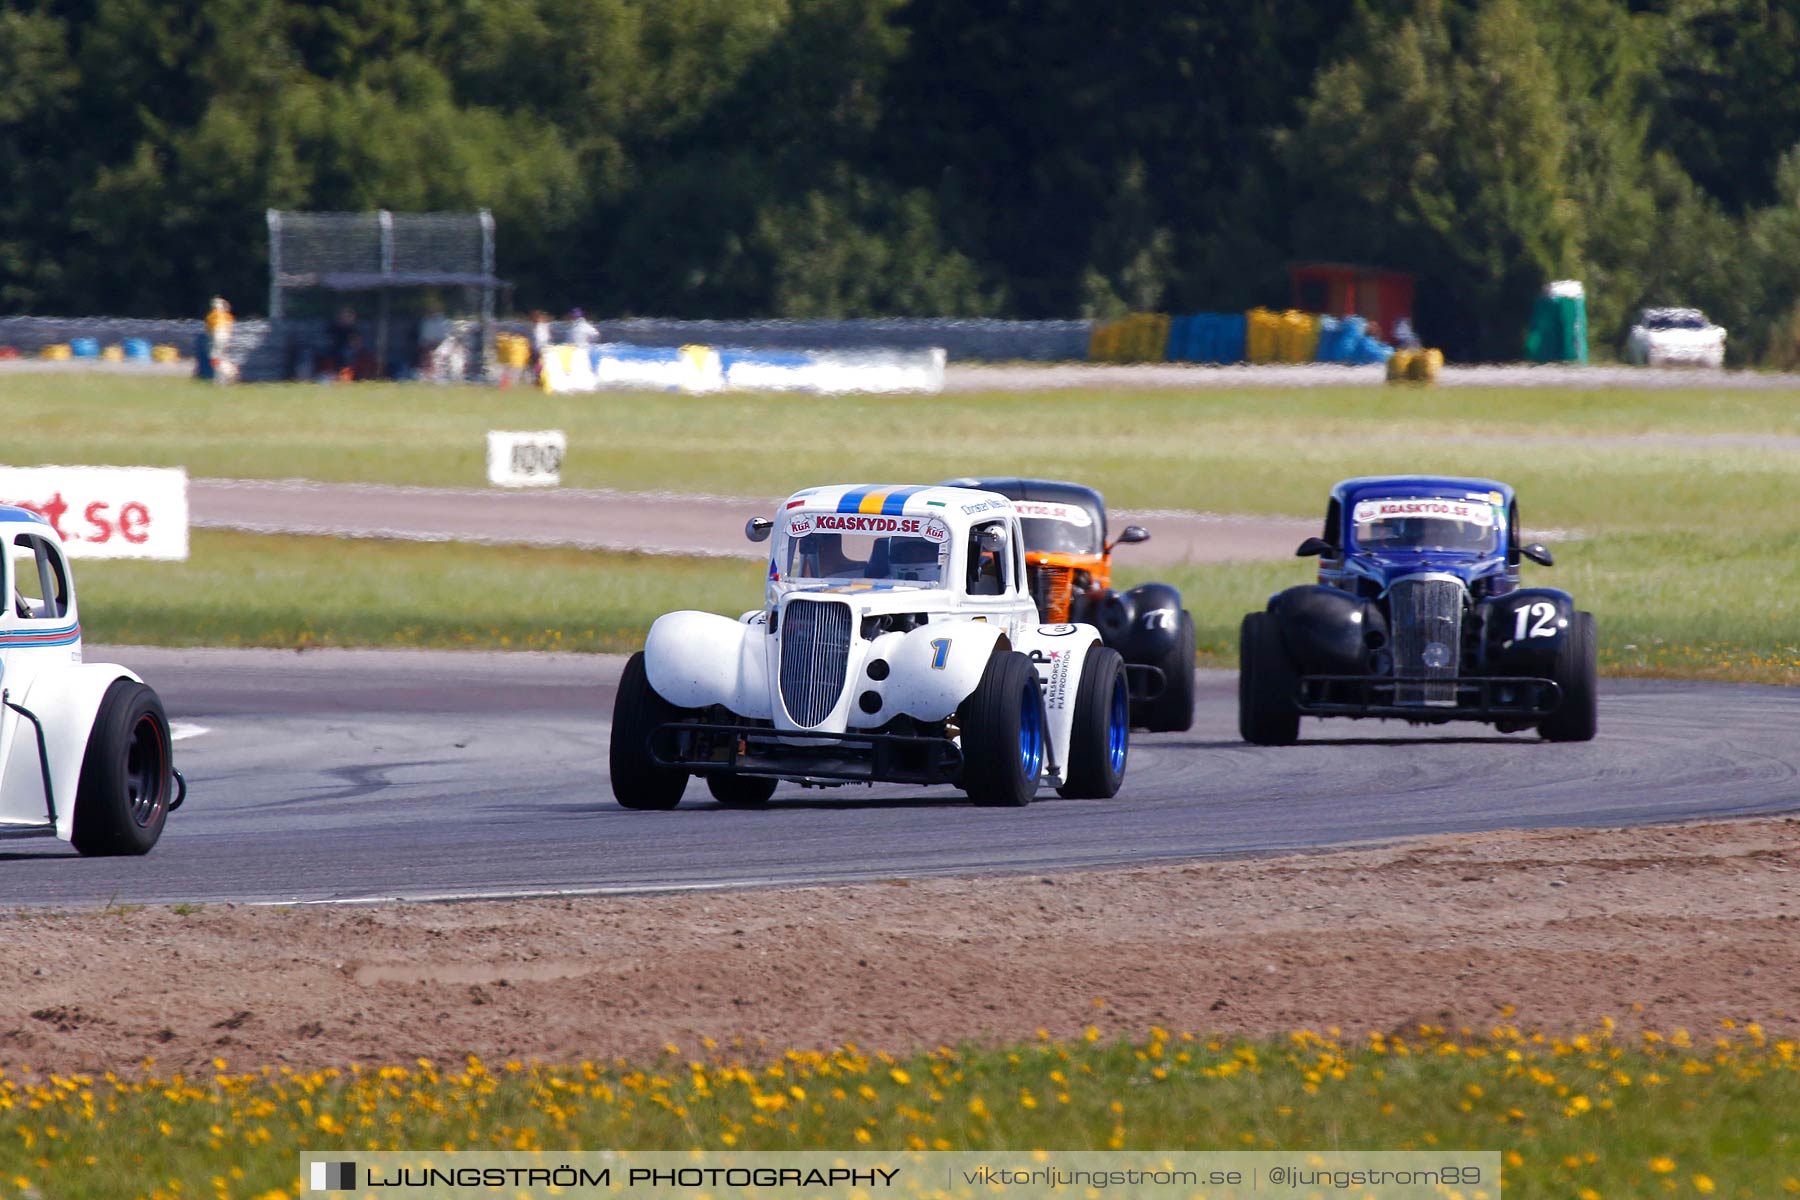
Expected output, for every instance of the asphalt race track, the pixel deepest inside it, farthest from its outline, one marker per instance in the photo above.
(358, 775)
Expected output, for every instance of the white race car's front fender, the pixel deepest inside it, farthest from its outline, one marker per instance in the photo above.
(1060, 653)
(930, 670)
(65, 701)
(697, 659)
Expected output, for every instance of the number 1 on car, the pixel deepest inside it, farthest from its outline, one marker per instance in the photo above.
(940, 653)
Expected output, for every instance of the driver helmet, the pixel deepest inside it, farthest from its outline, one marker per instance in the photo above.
(912, 558)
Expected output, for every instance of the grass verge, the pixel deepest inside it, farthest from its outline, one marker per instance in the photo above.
(1677, 604)
(1613, 459)
(1685, 605)
(239, 589)
(1590, 1116)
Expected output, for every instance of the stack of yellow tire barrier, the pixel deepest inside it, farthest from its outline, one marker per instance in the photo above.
(1284, 337)
(55, 351)
(1298, 338)
(1140, 337)
(512, 349)
(1262, 335)
(163, 353)
(1415, 366)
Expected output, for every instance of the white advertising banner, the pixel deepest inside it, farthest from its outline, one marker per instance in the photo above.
(106, 512)
(706, 369)
(525, 458)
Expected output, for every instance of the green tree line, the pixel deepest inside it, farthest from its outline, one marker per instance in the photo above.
(744, 158)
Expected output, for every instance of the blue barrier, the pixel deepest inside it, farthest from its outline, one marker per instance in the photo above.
(1207, 338)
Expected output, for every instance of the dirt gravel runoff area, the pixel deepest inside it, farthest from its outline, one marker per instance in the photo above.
(1664, 927)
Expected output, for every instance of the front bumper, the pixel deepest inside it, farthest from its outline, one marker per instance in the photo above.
(854, 757)
(1478, 698)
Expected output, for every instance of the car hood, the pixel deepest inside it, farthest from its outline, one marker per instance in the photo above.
(870, 596)
(1389, 565)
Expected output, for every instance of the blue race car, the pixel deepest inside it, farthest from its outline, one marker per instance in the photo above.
(1418, 614)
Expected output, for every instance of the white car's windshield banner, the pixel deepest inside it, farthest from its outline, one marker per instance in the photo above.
(930, 528)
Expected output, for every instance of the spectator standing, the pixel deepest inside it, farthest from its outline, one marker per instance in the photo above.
(339, 335)
(541, 340)
(582, 333)
(434, 334)
(218, 338)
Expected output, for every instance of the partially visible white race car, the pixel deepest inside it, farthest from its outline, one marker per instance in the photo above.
(1663, 337)
(898, 643)
(85, 753)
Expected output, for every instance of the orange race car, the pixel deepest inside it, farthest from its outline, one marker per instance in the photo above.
(1068, 559)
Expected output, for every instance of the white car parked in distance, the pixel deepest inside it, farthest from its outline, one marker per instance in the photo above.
(899, 643)
(85, 753)
(1670, 336)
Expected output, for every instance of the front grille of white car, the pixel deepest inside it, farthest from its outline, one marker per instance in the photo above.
(1426, 617)
(815, 657)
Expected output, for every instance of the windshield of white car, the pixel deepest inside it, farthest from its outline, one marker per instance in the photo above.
(1067, 529)
(1679, 321)
(857, 557)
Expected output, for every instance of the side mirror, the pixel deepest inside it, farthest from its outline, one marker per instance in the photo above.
(1133, 533)
(991, 538)
(1538, 554)
(757, 528)
(1318, 546)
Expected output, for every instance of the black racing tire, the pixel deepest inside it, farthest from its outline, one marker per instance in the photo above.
(1004, 733)
(638, 781)
(1267, 712)
(1173, 710)
(127, 775)
(1100, 740)
(1576, 671)
(741, 791)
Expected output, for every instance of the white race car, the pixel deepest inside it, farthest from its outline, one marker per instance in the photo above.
(899, 644)
(1670, 336)
(85, 754)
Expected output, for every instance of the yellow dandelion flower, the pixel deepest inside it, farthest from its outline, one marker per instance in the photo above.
(899, 1076)
(1703, 1184)
(1662, 1164)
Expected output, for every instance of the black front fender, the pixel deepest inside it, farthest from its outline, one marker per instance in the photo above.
(1522, 631)
(1143, 624)
(1328, 631)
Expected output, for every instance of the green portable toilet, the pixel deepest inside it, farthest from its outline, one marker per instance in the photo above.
(1558, 328)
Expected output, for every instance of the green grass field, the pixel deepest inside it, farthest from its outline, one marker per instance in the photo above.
(241, 589)
(1596, 459)
(1586, 1117)
(1683, 500)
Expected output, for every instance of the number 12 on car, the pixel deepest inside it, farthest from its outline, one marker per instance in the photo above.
(1544, 624)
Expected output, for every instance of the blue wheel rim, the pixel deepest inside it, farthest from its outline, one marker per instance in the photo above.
(1118, 729)
(1031, 733)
